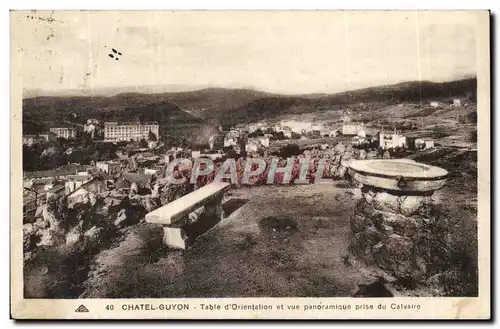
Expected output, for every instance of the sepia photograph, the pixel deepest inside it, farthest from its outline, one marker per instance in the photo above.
(249, 155)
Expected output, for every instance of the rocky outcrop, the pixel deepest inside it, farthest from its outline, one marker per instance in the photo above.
(403, 235)
(113, 272)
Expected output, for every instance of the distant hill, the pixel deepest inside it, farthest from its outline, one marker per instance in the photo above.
(414, 92)
(41, 113)
(214, 106)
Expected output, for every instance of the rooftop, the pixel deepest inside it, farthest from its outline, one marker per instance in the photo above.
(130, 123)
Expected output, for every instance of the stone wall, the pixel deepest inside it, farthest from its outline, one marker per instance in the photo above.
(403, 235)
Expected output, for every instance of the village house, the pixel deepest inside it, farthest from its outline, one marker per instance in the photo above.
(391, 141)
(74, 182)
(144, 156)
(349, 129)
(30, 140)
(424, 143)
(252, 145)
(59, 173)
(140, 181)
(109, 167)
(48, 137)
(31, 200)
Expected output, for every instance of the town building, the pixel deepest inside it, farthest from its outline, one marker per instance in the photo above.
(424, 143)
(252, 146)
(390, 141)
(350, 129)
(297, 127)
(75, 181)
(64, 132)
(30, 140)
(48, 136)
(109, 167)
(126, 131)
(434, 104)
(456, 102)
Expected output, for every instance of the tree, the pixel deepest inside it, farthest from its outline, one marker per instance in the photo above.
(256, 133)
(152, 136)
(290, 150)
(143, 143)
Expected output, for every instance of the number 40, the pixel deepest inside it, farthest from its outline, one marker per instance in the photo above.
(110, 307)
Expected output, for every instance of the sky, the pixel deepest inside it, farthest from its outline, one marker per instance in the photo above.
(289, 52)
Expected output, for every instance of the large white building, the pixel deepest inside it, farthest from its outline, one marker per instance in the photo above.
(126, 131)
(390, 141)
(64, 132)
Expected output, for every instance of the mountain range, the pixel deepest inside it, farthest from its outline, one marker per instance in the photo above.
(180, 111)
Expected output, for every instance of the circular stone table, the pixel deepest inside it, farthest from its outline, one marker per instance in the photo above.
(390, 220)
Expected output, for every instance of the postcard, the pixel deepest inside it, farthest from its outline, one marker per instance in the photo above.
(250, 164)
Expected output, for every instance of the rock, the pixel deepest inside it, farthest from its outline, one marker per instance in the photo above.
(94, 235)
(420, 271)
(74, 235)
(359, 222)
(386, 202)
(340, 171)
(388, 230)
(195, 215)
(369, 196)
(435, 280)
(339, 148)
(362, 207)
(110, 205)
(121, 219)
(409, 205)
(362, 155)
(49, 238)
(404, 226)
(149, 203)
(39, 212)
(30, 237)
(362, 243)
(346, 156)
(396, 256)
(41, 223)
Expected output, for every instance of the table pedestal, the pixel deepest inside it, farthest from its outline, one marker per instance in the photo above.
(397, 232)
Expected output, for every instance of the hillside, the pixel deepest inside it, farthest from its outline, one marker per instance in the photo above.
(41, 113)
(214, 106)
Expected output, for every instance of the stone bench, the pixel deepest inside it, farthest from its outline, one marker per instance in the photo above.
(174, 215)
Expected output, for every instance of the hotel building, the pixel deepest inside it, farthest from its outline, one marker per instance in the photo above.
(126, 131)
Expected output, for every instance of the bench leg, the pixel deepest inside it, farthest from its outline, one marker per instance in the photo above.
(174, 237)
(214, 208)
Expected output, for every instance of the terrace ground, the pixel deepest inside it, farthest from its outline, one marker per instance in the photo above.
(278, 241)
